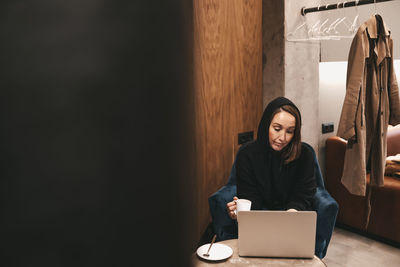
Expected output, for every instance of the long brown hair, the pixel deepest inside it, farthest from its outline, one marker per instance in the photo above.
(293, 149)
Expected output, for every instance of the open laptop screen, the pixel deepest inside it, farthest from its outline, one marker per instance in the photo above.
(277, 233)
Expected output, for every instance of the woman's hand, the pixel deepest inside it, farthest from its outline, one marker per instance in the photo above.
(291, 210)
(231, 208)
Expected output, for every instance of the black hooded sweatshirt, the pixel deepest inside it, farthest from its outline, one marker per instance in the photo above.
(264, 178)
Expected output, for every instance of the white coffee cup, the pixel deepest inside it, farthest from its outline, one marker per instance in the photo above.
(242, 205)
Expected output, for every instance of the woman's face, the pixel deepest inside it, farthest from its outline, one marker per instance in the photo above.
(281, 130)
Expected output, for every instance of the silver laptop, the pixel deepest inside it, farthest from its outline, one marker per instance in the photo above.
(277, 233)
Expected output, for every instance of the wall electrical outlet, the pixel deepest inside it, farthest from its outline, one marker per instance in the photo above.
(327, 127)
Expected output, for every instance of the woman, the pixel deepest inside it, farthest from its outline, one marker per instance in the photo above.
(276, 172)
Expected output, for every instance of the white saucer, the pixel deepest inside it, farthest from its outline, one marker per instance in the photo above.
(217, 252)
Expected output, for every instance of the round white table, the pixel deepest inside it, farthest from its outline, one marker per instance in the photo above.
(235, 260)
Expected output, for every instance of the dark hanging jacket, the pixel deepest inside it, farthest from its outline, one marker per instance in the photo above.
(264, 179)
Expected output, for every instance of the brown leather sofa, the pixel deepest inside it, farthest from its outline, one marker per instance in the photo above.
(385, 201)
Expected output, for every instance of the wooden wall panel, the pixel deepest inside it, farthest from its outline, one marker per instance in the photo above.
(228, 88)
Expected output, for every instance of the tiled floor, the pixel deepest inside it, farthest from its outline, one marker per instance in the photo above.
(348, 249)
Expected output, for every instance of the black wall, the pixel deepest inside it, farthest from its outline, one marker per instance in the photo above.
(95, 133)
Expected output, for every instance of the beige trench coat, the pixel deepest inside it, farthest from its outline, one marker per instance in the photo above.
(370, 104)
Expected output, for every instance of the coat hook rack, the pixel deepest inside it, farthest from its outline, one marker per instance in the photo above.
(305, 10)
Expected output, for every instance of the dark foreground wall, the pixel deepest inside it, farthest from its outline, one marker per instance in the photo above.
(95, 122)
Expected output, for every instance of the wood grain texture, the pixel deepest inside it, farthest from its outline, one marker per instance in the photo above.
(228, 88)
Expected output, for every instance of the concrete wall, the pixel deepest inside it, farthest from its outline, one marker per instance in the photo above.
(301, 72)
(290, 69)
(273, 50)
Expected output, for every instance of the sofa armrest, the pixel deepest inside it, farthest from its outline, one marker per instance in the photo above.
(327, 210)
(393, 141)
(224, 227)
(334, 162)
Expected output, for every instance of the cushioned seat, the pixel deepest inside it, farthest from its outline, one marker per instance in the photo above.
(325, 206)
(384, 220)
